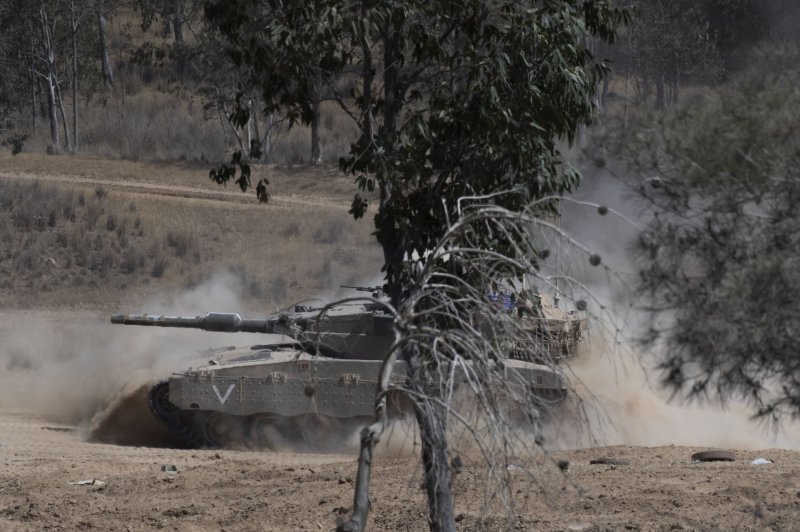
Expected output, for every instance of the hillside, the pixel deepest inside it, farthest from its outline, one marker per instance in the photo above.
(88, 233)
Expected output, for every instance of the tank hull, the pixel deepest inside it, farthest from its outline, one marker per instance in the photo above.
(246, 394)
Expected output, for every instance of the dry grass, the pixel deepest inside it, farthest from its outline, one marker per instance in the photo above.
(83, 245)
(337, 133)
(151, 115)
(303, 181)
(170, 126)
(149, 126)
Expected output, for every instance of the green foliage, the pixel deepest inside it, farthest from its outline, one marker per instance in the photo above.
(474, 97)
(461, 112)
(718, 258)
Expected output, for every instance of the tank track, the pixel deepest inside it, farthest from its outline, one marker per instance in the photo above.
(195, 429)
(187, 426)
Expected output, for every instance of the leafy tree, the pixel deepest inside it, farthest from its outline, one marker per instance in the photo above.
(675, 42)
(668, 43)
(18, 84)
(44, 49)
(736, 26)
(718, 258)
(174, 15)
(453, 100)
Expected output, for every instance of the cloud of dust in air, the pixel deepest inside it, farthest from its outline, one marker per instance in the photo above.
(73, 367)
(621, 401)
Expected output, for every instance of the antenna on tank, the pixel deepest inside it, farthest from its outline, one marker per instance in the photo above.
(556, 297)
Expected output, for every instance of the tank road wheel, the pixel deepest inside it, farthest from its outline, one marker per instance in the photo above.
(264, 431)
(158, 400)
(223, 430)
(317, 432)
(313, 430)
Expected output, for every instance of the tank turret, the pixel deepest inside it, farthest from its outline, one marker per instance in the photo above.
(361, 332)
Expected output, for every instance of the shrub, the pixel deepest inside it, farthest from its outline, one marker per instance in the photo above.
(131, 261)
(291, 230)
(330, 234)
(277, 288)
(180, 242)
(159, 265)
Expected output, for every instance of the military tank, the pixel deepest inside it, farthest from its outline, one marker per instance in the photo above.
(315, 384)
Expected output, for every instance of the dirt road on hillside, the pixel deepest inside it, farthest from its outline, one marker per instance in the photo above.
(41, 464)
(201, 191)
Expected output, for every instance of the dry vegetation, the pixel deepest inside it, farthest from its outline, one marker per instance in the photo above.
(153, 124)
(78, 240)
(151, 114)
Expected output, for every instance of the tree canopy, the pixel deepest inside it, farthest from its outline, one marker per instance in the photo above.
(451, 99)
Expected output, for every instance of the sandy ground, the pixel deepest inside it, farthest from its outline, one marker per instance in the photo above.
(213, 490)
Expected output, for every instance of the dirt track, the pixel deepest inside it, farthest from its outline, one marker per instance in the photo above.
(229, 490)
(198, 192)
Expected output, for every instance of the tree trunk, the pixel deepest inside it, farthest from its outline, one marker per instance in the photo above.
(391, 60)
(34, 89)
(266, 142)
(644, 88)
(316, 146)
(51, 111)
(388, 235)
(177, 28)
(367, 75)
(604, 93)
(105, 63)
(660, 103)
(49, 60)
(43, 112)
(74, 26)
(369, 438)
(675, 86)
(60, 94)
(177, 20)
(249, 128)
(437, 471)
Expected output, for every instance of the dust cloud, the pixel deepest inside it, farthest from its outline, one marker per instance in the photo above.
(75, 368)
(619, 401)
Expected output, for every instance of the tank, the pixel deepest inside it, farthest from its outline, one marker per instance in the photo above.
(317, 385)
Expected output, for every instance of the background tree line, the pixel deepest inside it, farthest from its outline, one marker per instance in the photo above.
(61, 60)
(74, 69)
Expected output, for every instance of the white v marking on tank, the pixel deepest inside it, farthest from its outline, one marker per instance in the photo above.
(223, 398)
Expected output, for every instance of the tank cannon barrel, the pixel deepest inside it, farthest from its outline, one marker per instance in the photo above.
(213, 321)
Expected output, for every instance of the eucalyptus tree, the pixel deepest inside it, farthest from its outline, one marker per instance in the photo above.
(18, 85)
(457, 104)
(669, 43)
